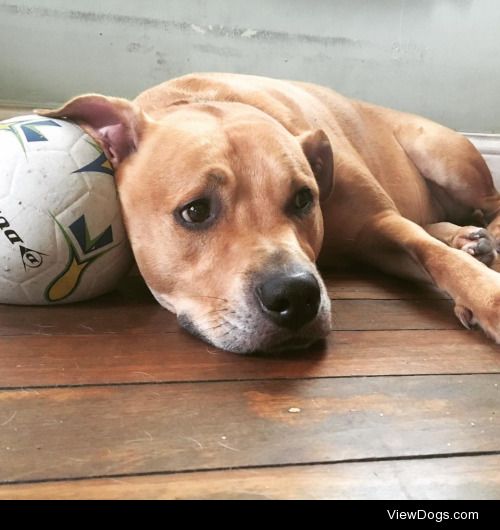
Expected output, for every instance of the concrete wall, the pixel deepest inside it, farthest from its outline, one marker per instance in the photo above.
(439, 58)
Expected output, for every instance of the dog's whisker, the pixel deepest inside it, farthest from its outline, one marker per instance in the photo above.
(235, 325)
(211, 328)
(214, 322)
(214, 312)
(210, 297)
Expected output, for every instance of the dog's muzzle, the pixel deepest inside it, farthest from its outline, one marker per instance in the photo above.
(280, 308)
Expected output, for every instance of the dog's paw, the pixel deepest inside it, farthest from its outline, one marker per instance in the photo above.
(487, 318)
(477, 242)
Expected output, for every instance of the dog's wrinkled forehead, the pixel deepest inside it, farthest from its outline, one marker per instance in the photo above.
(244, 140)
(193, 135)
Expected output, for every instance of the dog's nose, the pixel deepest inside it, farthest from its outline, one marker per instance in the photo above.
(290, 300)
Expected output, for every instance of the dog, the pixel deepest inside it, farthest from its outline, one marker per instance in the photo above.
(234, 186)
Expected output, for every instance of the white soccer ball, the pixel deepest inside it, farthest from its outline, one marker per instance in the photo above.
(62, 238)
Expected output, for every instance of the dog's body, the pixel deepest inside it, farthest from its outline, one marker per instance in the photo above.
(252, 157)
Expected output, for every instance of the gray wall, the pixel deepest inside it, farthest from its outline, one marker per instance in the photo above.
(439, 58)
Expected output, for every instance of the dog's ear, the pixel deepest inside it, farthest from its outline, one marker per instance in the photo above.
(115, 123)
(318, 151)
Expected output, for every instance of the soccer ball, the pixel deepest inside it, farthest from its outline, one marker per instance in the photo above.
(62, 238)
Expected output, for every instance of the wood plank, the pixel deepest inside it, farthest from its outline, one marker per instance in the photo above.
(376, 286)
(34, 361)
(115, 314)
(129, 309)
(393, 314)
(458, 478)
(95, 432)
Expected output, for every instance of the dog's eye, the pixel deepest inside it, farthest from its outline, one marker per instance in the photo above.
(303, 200)
(196, 211)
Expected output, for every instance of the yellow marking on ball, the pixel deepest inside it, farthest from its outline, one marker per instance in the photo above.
(67, 282)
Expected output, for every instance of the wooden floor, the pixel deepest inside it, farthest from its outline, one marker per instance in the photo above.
(109, 399)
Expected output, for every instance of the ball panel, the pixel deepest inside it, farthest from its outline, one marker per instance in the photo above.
(12, 292)
(28, 249)
(51, 183)
(10, 160)
(36, 133)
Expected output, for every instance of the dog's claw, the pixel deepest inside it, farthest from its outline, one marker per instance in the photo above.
(477, 242)
(465, 316)
(480, 233)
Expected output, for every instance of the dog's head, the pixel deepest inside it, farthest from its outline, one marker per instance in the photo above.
(222, 208)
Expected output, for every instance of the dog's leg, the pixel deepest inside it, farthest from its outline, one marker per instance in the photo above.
(474, 287)
(464, 182)
(476, 241)
(493, 218)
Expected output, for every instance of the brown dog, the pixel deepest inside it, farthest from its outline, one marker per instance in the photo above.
(233, 186)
